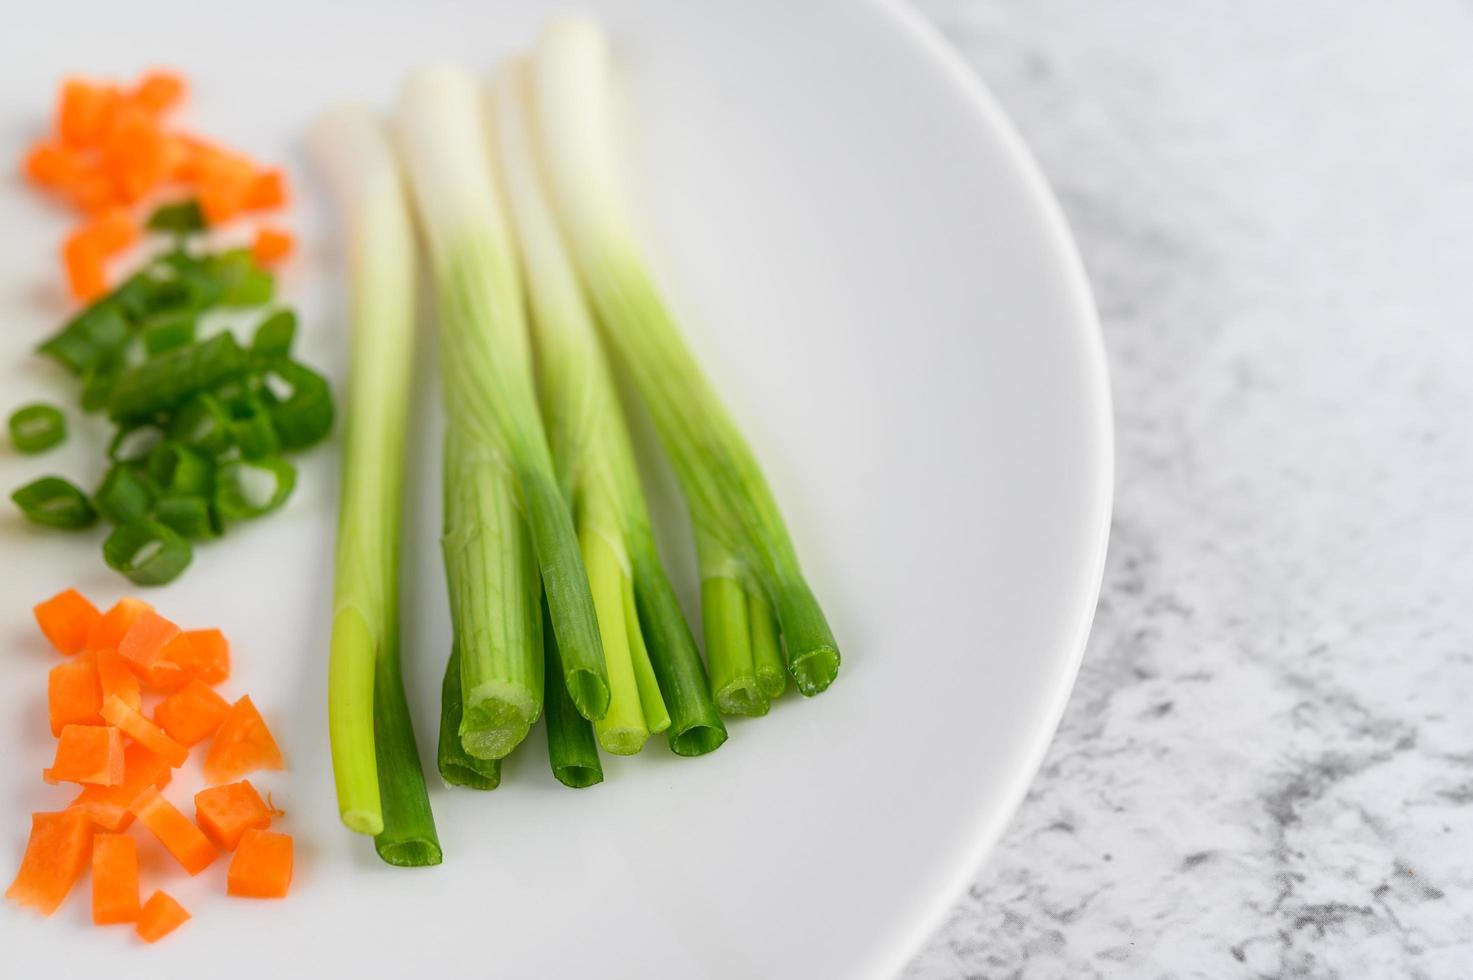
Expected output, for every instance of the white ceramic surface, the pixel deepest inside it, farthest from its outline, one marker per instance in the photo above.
(881, 285)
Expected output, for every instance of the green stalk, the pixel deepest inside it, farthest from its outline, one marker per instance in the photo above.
(380, 785)
(730, 502)
(596, 468)
(729, 647)
(457, 766)
(494, 601)
(571, 749)
(767, 657)
(485, 353)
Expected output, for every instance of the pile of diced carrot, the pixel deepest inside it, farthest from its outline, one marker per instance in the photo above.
(111, 151)
(107, 743)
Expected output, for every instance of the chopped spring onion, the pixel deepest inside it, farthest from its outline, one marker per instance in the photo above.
(124, 496)
(380, 785)
(188, 514)
(202, 423)
(134, 443)
(247, 488)
(486, 357)
(740, 533)
(177, 469)
(273, 338)
(178, 218)
(595, 464)
(54, 502)
(303, 412)
(571, 749)
(148, 553)
(162, 382)
(166, 332)
(457, 766)
(36, 428)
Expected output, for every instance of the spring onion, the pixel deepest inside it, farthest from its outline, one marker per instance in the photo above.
(571, 749)
(380, 785)
(37, 428)
(596, 467)
(741, 537)
(54, 502)
(486, 360)
(147, 552)
(457, 766)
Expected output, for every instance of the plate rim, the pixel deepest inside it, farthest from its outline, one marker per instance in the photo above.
(932, 44)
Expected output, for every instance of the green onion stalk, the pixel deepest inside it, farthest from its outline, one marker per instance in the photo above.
(656, 679)
(486, 366)
(759, 613)
(380, 785)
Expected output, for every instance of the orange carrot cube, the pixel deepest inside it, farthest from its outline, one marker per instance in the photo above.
(189, 846)
(114, 879)
(262, 866)
(91, 754)
(242, 745)
(267, 191)
(110, 629)
(159, 90)
(52, 165)
(226, 812)
(146, 639)
(211, 662)
(73, 694)
(66, 619)
(271, 246)
(84, 111)
(116, 677)
(86, 277)
(160, 916)
(192, 713)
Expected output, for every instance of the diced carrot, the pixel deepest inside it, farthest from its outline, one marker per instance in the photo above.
(84, 110)
(160, 916)
(117, 712)
(192, 713)
(226, 812)
(267, 191)
(271, 246)
(50, 164)
(172, 669)
(188, 154)
(56, 855)
(107, 806)
(85, 275)
(159, 90)
(66, 619)
(112, 230)
(241, 746)
(262, 866)
(146, 639)
(73, 694)
(211, 655)
(224, 182)
(91, 754)
(108, 632)
(181, 838)
(91, 191)
(114, 879)
(117, 677)
(133, 152)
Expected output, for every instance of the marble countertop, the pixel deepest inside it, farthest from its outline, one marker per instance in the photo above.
(1266, 769)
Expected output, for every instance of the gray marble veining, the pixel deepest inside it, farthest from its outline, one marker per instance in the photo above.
(1266, 769)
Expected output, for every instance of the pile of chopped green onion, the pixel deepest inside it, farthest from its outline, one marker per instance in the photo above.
(202, 421)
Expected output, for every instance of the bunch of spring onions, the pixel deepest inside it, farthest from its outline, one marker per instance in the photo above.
(558, 598)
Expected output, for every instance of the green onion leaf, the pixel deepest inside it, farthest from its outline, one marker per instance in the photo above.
(124, 496)
(248, 488)
(178, 470)
(147, 552)
(242, 282)
(203, 423)
(134, 443)
(273, 338)
(179, 218)
(251, 427)
(168, 331)
(97, 384)
(163, 382)
(189, 515)
(36, 428)
(304, 415)
(571, 749)
(54, 502)
(92, 337)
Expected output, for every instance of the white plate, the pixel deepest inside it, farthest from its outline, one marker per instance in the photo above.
(875, 273)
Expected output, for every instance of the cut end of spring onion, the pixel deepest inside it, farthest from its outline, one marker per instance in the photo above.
(578, 777)
(622, 740)
(495, 718)
(485, 774)
(589, 691)
(696, 740)
(743, 696)
(409, 853)
(814, 670)
(363, 822)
